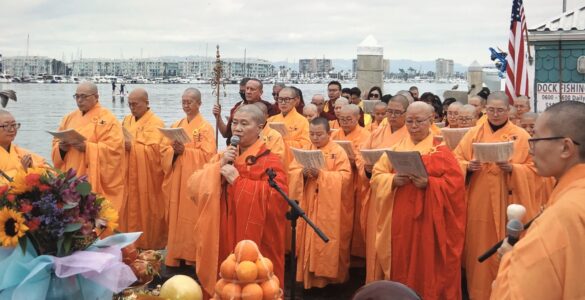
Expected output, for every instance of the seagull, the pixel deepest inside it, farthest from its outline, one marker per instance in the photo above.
(455, 87)
(7, 94)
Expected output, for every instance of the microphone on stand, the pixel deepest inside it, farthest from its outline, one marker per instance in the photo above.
(234, 141)
(514, 227)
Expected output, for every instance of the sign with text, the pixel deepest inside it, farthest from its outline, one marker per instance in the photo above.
(548, 94)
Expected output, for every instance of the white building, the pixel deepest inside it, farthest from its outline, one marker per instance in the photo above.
(444, 68)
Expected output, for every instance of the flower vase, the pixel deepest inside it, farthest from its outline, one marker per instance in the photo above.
(67, 288)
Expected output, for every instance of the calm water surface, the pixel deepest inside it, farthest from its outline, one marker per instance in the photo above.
(41, 107)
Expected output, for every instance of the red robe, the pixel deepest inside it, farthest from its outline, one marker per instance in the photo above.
(420, 235)
(246, 209)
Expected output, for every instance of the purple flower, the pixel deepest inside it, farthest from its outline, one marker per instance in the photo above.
(70, 196)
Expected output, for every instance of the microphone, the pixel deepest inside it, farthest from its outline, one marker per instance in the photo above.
(234, 141)
(270, 173)
(514, 227)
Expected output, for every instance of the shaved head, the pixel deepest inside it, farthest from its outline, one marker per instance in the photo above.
(530, 115)
(341, 101)
(407, 95)
(4, 112)
(499, 96)
(566, 119)
(351, 109)
(261, 106)
(139, 94)
(380, 105)
(89, 86)
(193, 92)
(420, 106)
(456, 105)
(402, 100)
(255, 112)
(468, 108)
(138, 102)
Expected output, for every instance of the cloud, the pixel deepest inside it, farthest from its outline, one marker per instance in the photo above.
(275, 30)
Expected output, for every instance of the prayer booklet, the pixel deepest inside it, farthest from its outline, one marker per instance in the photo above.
(176, 134)
(369, 105)
(493, 152)
(452, 136)
(347, 146)
(127, 135)
(280, 127)
(407, 163)
(440, 124)
(371, 156)
(68, 136)
(309, 158)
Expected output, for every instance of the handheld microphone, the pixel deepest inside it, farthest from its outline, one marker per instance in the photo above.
(270, 173)
(514, 227)
(234, 141)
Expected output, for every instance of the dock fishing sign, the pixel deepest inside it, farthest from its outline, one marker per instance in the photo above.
(548, 94)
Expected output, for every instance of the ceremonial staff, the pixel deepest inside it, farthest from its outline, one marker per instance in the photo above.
(216, 83)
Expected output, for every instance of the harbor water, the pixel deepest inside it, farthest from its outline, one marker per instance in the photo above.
(41, 107)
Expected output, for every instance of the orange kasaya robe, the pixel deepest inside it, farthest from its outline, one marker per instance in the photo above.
(489, 193)
(359, 185)
(547, 263)
(435, 129)
(298, 131)
(10, 161)
(420, 232)
(274, 142)
(384, 137)
(246, 209)
(104, 152)
(328, 202)
(145, 206)
(373, 126)
(334, 124)
(181, 220)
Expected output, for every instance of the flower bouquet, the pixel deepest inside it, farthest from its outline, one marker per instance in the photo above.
(52, 230)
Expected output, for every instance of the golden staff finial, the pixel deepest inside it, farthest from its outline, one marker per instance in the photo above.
(216, 83)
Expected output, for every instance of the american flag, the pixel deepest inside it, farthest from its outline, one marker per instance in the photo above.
(516, 70)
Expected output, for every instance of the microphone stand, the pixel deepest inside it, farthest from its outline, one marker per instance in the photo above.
(295, 212)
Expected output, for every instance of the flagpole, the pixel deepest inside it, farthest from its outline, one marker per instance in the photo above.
(530, 58)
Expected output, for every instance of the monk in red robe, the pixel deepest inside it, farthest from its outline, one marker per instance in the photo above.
(547, 262)
(179, 161)
(421, 224)
(102, 153)
(233, 201)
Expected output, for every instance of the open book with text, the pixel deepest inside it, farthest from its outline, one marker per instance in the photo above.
(68, 136)
(176, 134)
(407, 163)
(309, 158)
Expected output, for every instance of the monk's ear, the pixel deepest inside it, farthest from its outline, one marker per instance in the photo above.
(569, 149)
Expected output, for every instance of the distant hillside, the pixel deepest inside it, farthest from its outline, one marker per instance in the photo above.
(395, 64)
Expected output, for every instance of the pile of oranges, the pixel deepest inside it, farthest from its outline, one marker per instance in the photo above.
(247, 275)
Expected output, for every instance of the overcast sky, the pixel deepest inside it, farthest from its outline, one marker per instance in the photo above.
(275, 30)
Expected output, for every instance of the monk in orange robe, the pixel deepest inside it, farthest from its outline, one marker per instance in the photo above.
(13, 158)
(296, 124)
(547, 262)
(272, 138)
(479, 104)
(145, 206)
(379, 116)
(421, 225)
(453, 114)
(492, 187)
(390, 132)
(179, 162)
(357, 135)
(102, 153)
(339, 104)
(325, 196)
(234, 202)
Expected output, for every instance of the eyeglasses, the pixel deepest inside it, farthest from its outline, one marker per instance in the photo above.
(452, 113)
(492, 110)
(82, 96)
(532, 141)
(374, 95)
(417, 122)
(345, 119)
(10, 127)
(395, 113)
(464, 119)
(284, 100)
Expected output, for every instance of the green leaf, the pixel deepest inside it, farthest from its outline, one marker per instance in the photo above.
(69, 206)
(72, 227)
(67, 244)
(22, 242)
(60, 246)
(83, 188)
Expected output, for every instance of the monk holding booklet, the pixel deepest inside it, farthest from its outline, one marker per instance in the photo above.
(421, 225)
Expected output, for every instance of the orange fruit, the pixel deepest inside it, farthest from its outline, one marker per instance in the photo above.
(247, 271)
(270, 289)
(227, 269)
(252, 291)
(265, 267)
(246, 250)
(219, 285)
(231, 291)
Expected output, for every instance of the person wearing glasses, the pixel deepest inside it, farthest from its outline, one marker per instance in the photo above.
(351, 131)
(339, 104)
(356, 98)
(547, 262)
(144, 211)
(421, 225)
(452, 115)
(296, 124)
(522, 105)
(467, 116)
(102, 153)
(492, 186)
(13, 158)
(393, 130)
(333, 92)
(375, 93)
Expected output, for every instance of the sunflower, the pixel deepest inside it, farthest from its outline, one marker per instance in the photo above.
(12, 227)
(108, 219)
(23, 182)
